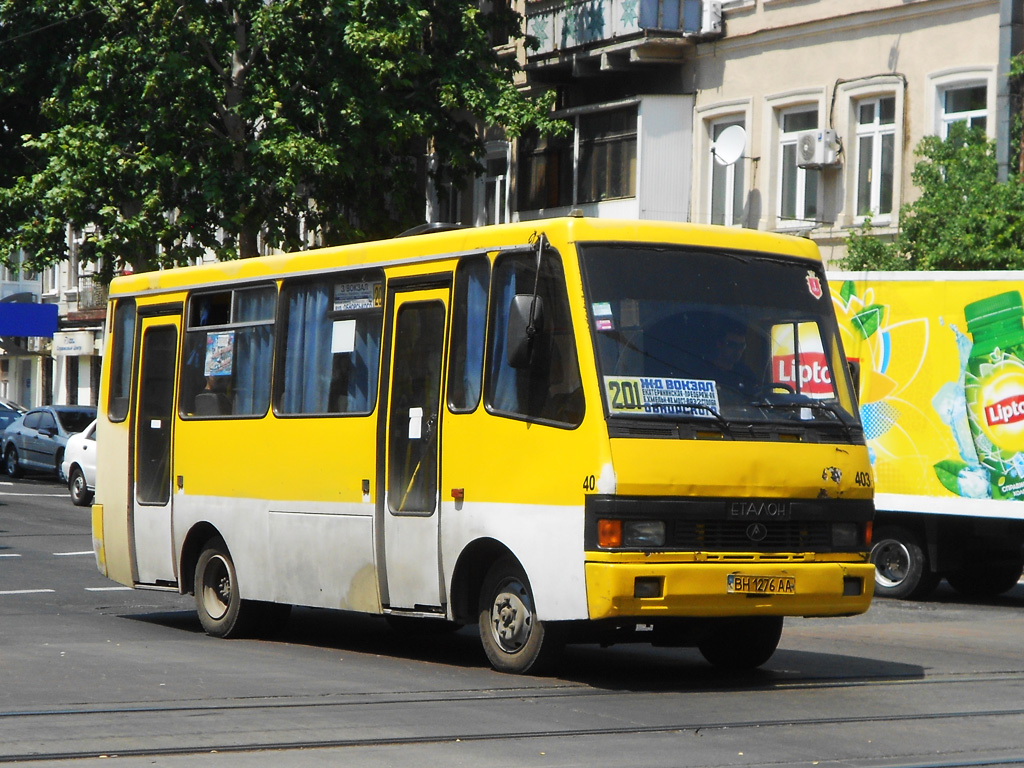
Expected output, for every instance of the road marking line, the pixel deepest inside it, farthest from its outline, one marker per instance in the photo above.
(37, 495)
(9, 554)
(73, 554)
(108, 589)
(25, 591)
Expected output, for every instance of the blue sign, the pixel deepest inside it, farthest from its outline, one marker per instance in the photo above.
(18, 319)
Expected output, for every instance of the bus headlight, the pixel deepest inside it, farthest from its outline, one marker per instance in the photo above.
(635, 534)
(846, 535)
(643, 533)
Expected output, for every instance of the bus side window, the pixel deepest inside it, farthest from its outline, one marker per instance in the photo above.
(549, 388)
(229, 347)
(469, 319)
(330, 345)
(121, 346)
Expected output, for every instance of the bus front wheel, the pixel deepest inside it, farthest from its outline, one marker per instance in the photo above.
(221, 611)
(740, 643)
(514, 639)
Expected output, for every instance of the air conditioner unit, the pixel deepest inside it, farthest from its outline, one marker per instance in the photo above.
(711, 18)
(817, 149)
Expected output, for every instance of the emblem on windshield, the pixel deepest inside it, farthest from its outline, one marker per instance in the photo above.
(814, 285)
(757, 532)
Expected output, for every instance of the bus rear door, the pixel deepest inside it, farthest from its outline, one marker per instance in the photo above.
(411, 576)
(153, 419)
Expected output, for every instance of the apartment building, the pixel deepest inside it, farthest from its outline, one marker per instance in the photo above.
(51, 326)
(822, 103)
(796, 116)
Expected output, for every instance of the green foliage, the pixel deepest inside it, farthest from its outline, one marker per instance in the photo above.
(963, 218)
(166, 128)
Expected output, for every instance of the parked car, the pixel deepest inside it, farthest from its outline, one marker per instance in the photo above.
(36, 440)
(10, 411)
(79, 465)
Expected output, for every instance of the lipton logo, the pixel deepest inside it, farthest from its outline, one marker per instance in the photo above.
(757, 532)
(759, 510)
(1007, 411)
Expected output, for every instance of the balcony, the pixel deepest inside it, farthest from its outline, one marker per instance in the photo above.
(637, 29)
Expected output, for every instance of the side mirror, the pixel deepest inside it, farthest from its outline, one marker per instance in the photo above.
(520, 335)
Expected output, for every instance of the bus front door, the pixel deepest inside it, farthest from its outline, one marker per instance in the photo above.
(153, 418)
(411, 577)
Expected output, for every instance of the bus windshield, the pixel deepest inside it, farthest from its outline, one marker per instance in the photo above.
(722, 338)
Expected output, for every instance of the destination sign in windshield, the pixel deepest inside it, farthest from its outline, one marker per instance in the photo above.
(651, 395)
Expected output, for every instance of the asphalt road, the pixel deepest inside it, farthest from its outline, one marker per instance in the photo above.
(90, 672)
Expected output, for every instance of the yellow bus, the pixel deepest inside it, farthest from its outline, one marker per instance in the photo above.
(569, 430)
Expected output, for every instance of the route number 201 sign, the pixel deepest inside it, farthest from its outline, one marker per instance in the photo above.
(651, 395)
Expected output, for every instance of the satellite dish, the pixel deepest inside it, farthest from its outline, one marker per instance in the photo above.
(730, 145)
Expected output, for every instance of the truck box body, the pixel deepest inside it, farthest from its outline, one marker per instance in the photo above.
(941, 368)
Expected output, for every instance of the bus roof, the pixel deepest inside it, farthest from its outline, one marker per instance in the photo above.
(469, 240)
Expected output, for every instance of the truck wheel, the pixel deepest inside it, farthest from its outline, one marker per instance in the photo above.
(985, 580)
(901, 567)
(742, 643)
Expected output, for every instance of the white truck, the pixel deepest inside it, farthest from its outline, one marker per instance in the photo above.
(941, 372)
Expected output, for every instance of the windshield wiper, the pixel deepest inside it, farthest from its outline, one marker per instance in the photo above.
(816, 405)
(718, 417)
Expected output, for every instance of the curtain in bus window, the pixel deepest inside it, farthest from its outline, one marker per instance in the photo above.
(322, 373)
(307, 367)
(253, 355)
(365, 357)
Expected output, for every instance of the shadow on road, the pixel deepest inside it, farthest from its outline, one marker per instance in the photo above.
(620, 667)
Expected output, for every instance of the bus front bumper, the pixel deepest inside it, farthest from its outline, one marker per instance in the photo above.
(703, 589)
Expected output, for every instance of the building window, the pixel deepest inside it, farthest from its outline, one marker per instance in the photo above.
(492, 202)
(607, 155)
(963, 104)
(726, 194)
(798, 187)
(595, 162)
(876, 152)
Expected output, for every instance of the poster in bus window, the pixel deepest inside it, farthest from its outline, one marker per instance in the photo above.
(349, 297)
(799, 363)
(219, 347)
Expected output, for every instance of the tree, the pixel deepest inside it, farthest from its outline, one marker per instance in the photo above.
(168, 128)
(963, 218)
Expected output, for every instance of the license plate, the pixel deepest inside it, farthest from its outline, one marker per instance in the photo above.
(761, 585)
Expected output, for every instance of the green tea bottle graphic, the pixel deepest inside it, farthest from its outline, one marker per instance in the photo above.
(994, 387)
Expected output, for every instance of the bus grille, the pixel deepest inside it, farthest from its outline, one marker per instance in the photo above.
(722, 535)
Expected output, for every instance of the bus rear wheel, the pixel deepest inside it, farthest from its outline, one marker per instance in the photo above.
(744, 642)
(514, 639)
(221, 610)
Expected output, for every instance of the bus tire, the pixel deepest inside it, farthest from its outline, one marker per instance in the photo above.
(741, 643)
(985, 581)
(11, 462)
(901, 566)
(221, 611)
(514, 639)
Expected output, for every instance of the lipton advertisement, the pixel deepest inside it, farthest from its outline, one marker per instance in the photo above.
(942, 379)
